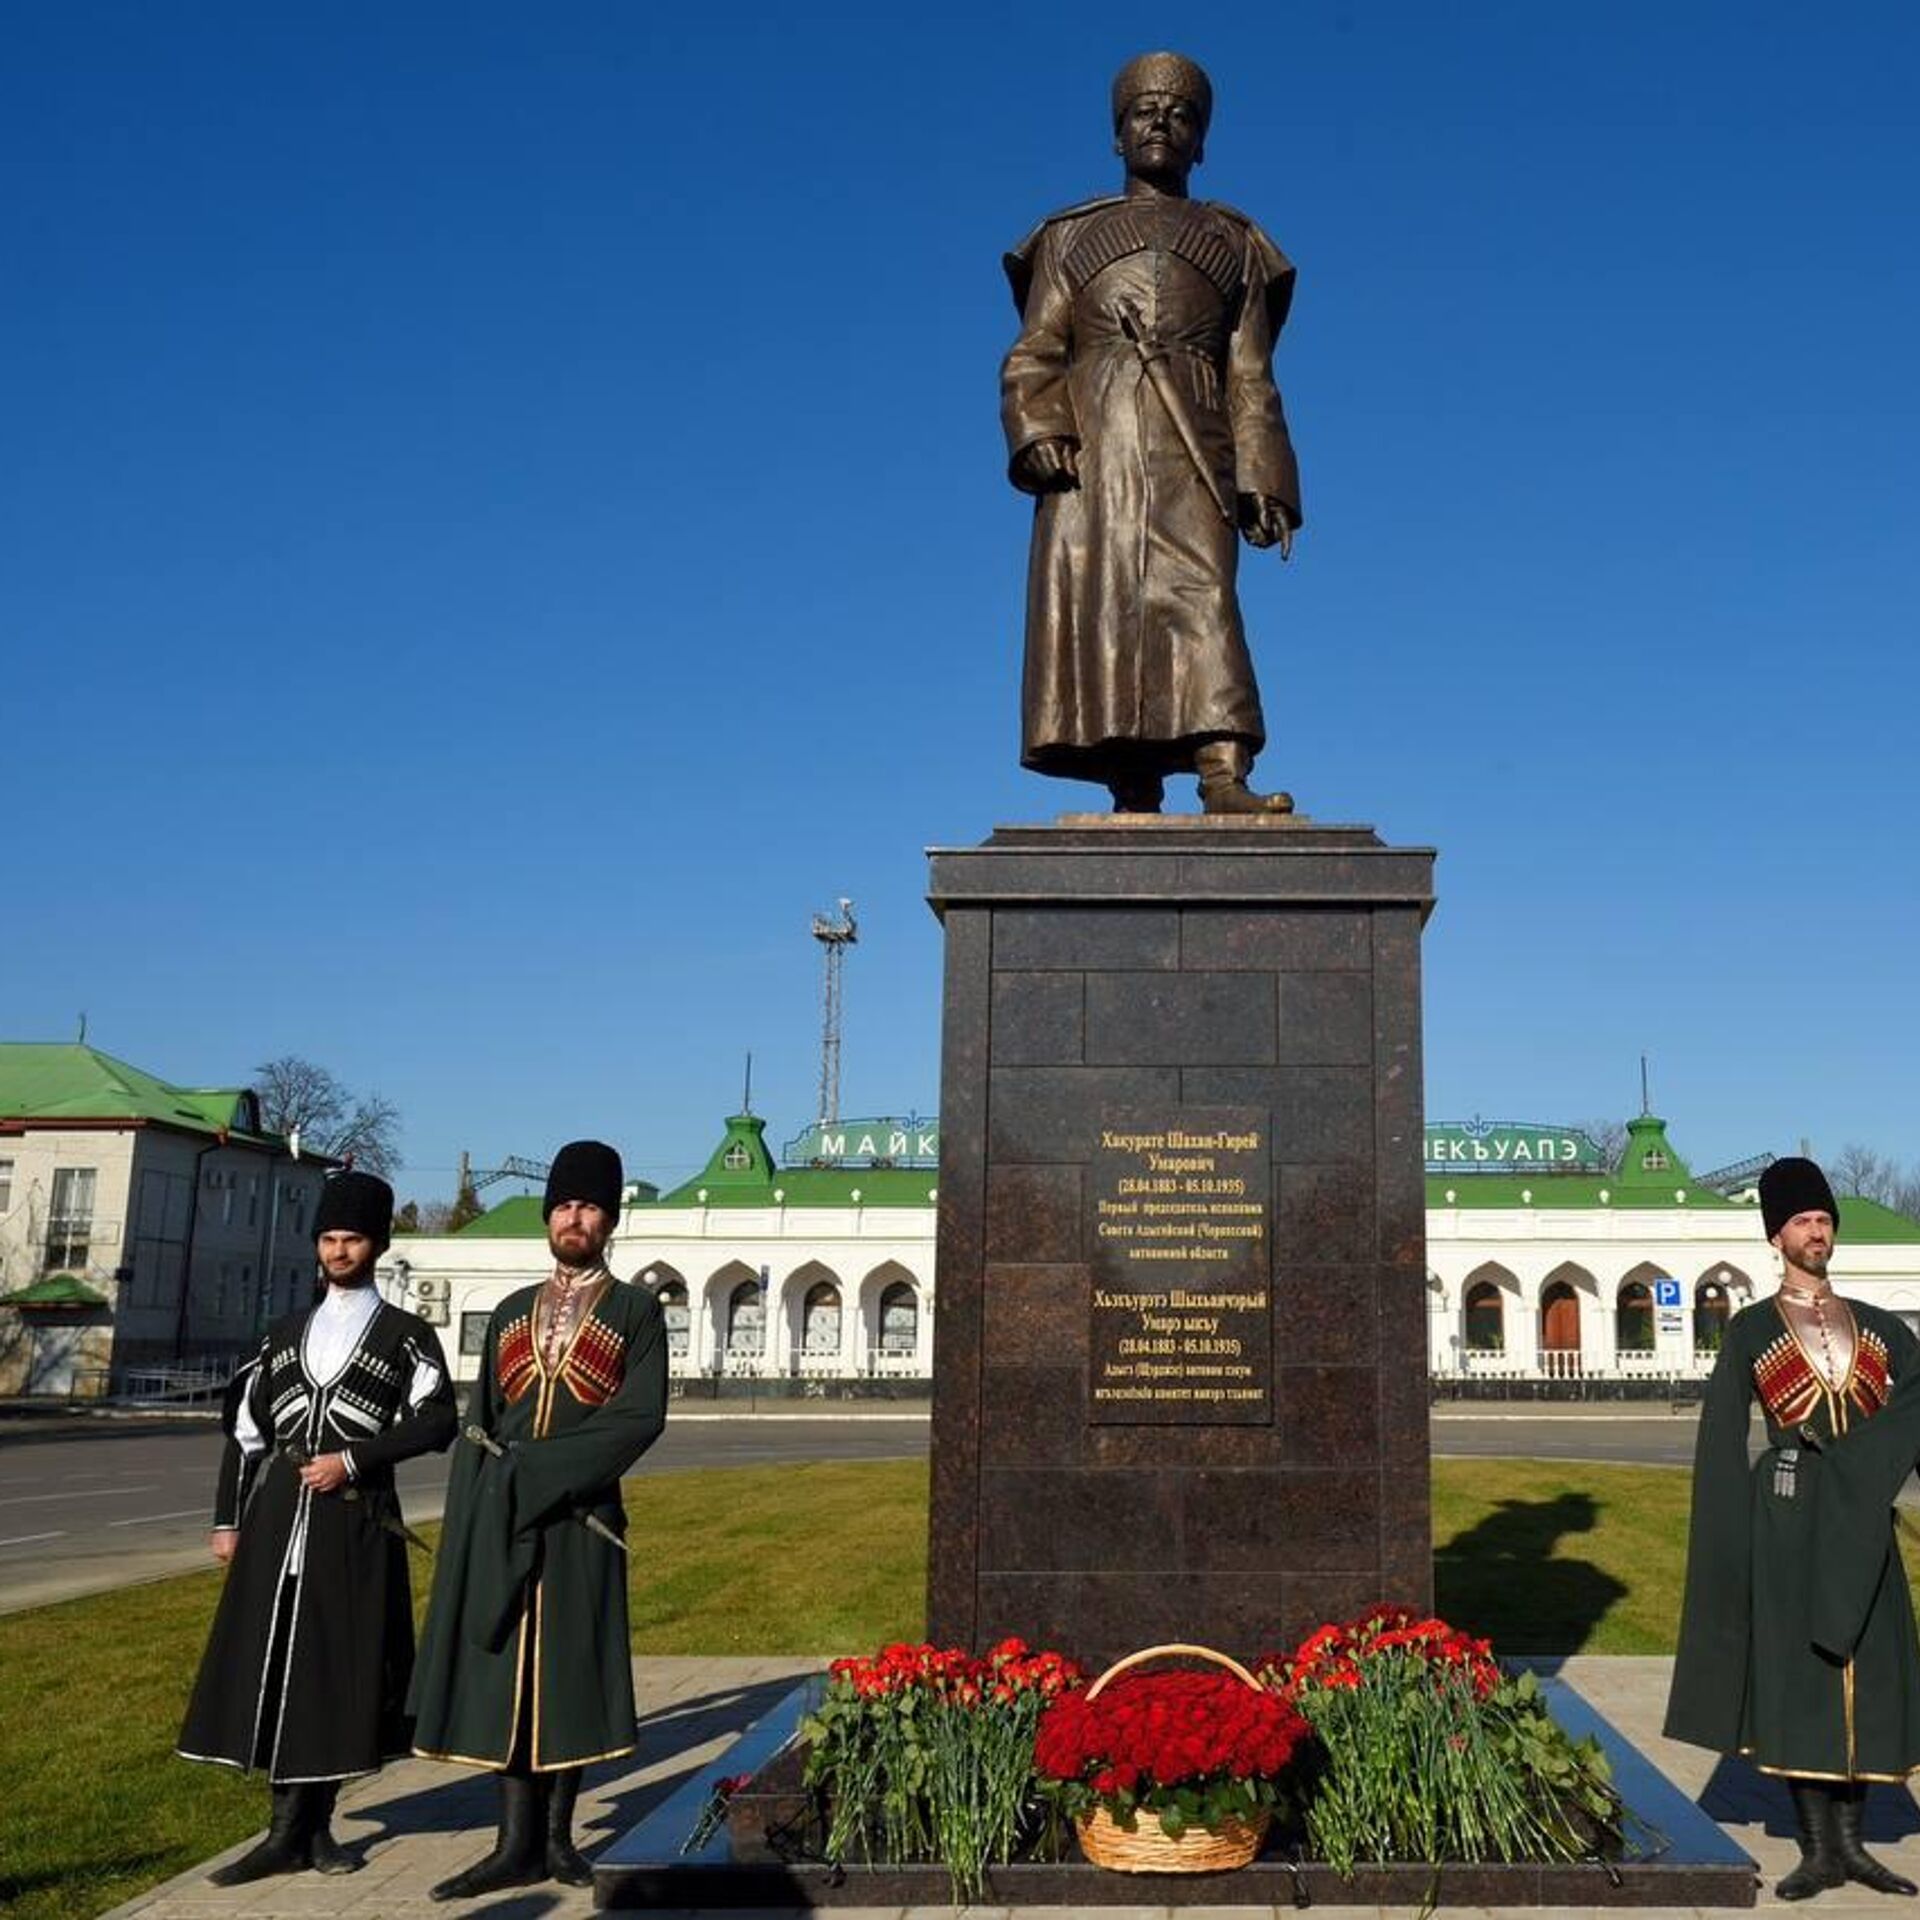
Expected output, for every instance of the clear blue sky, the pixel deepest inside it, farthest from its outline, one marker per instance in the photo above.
(503, 516)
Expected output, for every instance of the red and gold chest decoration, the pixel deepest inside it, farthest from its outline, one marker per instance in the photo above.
(1790, 1386)
(591, 1370)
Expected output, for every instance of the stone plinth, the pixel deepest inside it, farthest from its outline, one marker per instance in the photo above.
(1180, 1349)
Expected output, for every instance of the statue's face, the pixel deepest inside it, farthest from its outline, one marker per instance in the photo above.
(1159, 137)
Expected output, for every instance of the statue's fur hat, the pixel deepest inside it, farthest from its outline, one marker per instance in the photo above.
(1163, 73)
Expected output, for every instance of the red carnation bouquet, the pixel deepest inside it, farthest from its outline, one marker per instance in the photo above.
(1426, 1750)
(926, 1752)
(1194, 1750)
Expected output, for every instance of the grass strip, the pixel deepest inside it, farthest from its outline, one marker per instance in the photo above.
(1543, 1556)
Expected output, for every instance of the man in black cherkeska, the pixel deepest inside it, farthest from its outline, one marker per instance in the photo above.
(1797, 1645)
(524, 1662)
(305, 1672)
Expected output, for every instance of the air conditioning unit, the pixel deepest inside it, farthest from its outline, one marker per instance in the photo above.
(430, 1290)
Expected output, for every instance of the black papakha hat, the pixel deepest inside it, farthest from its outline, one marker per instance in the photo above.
(1793, 1186)
(355, 1203)
(584, 1170)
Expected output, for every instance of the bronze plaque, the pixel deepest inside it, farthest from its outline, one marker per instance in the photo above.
(1182, 1329)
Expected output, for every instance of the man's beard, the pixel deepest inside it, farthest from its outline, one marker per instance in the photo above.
(581, 1250)
(1813, 1265)
(360, 1276)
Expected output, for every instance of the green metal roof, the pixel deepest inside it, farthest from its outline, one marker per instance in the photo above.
(55, 1290)
(740, 1172)
(48, 1081)
(514, 1219)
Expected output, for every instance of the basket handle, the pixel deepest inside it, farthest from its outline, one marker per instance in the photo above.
(1157, 1653)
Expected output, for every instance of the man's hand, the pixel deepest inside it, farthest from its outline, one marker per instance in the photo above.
(327, 1474)
(1264, 521)
(1047, 466)
(225, 1543)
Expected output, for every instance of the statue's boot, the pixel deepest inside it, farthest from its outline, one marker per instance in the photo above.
(284, 1850)
(1138, 793)
(1223, 766)
(1849, 1803)
(519, 1856)
(1820, 1864)
(565, 1862)
(325, 1852)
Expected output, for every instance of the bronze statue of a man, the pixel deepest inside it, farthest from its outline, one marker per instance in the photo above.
(1141, 413)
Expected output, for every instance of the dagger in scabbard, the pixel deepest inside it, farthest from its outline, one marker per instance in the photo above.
(485, 1441)
(383, 1517)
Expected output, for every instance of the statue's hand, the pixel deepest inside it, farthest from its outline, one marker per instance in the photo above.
(1264, 521)
(1048, 466)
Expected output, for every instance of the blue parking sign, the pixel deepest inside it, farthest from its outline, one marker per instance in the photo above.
(1666, 1293)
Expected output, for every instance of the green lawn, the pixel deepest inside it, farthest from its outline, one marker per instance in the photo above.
(1544, 1557)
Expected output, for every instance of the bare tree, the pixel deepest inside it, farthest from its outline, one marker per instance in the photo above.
(1876, 1176)
(1610, 1136)
(363, 1128)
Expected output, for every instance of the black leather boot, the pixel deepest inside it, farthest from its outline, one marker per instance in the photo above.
(284, 1850)
(519, 1856)
(1813, 1819)
(323, 1850)
(1138, 793)
(565, 1862)
(1223, 766)
(1849, 1804)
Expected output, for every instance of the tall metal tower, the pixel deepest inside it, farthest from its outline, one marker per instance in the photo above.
(836, 936)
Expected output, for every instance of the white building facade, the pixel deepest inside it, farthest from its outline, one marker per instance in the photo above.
(1535, 1272)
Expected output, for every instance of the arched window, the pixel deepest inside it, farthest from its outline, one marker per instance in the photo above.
(1486, 1318)
(1560, 1317)
(747, 1319)
(1710, 1310)
(672, 1295)
(1633, 1318)
(899, 1319)
(820, 1319)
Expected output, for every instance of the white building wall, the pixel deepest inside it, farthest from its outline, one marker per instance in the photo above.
(714, 1250)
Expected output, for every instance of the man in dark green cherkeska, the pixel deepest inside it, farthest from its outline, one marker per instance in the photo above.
(1795, 1648)
(523, 1666)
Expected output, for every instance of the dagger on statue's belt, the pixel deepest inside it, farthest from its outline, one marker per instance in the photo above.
(482, 1439)
(384, 1516)
(1154, 359)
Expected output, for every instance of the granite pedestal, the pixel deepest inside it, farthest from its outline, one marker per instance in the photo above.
(1180, 1382)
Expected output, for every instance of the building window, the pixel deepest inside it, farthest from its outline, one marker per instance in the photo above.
(253, 1199)
(220, 1282)
(899, 1319)
(673, 1305)
(736, 1159)
(473, 1334)
(820, 1319)
(747, 1319)
(1633, 1318)
(6, 1186)
(70, 1219)
(1486, 1319)
(1710, 1307)
(1653, 1160)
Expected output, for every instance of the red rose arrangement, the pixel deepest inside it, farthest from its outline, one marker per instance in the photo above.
(1194, 1749)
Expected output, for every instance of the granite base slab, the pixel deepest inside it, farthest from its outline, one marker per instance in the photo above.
(756, 1859)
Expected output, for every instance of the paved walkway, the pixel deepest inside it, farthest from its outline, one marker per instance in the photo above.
(418, 1822)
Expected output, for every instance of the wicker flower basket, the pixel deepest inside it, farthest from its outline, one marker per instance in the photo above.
(1149, 1848)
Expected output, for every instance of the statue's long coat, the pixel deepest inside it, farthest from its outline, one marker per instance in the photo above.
(1135, 653)
(339, 1629)
(529, 1610)
(1797, 1643)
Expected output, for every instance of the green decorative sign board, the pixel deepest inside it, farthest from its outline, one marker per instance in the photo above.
(909, 1142)
(1510, 1146)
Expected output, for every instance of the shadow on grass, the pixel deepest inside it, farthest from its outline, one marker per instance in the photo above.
(1499, 1578)
(677, 1732)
